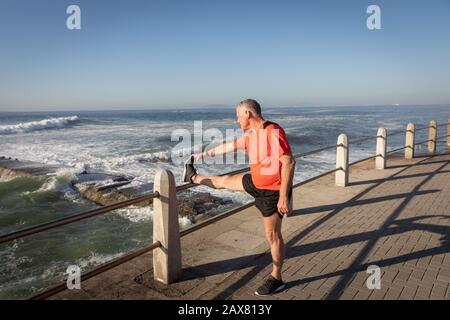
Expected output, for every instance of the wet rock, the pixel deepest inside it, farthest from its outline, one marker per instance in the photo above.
(12, 168)
(192, 204)
(102, 188)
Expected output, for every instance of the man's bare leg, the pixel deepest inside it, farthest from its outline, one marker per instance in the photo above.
(272, 228)
(221, 182)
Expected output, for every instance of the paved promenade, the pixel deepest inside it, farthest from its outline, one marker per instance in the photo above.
(397, 219)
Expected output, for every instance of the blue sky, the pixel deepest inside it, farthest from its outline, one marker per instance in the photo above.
(173, 53)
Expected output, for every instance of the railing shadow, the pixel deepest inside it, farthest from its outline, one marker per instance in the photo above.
(418, 164)
(337, 290)
(347, 204)
(403, 226)
(357, 183)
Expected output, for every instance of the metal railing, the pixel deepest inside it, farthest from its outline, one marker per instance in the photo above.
(155, 195)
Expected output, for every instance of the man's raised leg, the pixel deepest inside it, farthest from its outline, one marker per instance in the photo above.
(221, 182)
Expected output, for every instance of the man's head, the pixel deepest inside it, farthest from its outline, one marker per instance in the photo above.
(246, 111)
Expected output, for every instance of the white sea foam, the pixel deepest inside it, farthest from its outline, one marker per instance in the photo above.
(51, 123)
(145, 214)
(139, 158)
(7, 178)
(9, 259)
(96, 259)
(394, 126)
(136, 214)
(58, 183)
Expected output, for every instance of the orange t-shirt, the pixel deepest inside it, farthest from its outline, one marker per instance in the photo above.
(264, 147)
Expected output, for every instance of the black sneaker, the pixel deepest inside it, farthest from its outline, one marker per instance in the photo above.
(270, 286)
(189, 170)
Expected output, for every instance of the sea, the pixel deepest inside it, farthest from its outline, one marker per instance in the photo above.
(138, 143)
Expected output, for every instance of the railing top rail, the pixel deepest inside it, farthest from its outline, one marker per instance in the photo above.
(301, 155)
(422, 142)
(395, 150)
(296, 156)
(365, 159)
(421, 128)
(393, 133)
(362, 140)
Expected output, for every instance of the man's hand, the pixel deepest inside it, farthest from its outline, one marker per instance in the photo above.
(283, 205)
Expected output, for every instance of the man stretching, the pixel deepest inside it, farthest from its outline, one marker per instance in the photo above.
(269, 182)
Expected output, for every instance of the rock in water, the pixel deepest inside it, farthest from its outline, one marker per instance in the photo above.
(102, 188)
(12, 168)
(192, 204)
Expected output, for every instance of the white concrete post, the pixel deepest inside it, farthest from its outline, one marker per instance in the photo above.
(380, 160)
(448, 133)
(166, 258)
(342, 161)
(410, 140)
(432, 136)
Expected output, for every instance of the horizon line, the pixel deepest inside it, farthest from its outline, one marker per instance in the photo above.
(50, 109)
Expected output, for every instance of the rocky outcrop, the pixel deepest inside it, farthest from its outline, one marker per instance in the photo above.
(102, 188)
(11, 168)
(195, 204)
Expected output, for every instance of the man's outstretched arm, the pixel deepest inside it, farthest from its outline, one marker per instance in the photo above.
(217, 151)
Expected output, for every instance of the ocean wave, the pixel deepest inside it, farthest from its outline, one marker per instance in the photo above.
(26, 127)
(175, 155)
(145, 214)
(96, 259)
(9, 259)
(58, 183)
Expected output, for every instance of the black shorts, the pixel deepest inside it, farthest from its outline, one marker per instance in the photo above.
(265, 200)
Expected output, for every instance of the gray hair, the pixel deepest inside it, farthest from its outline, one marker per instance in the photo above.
(253, 105)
